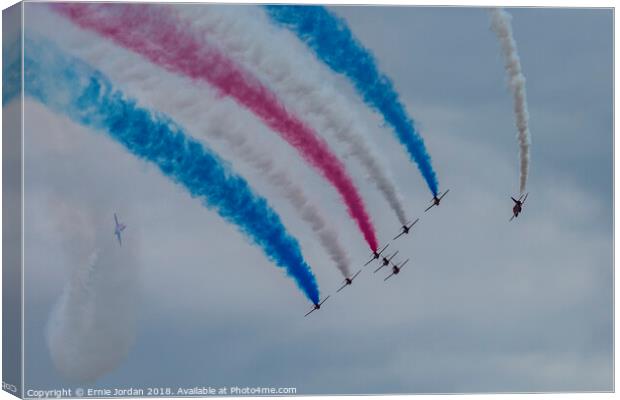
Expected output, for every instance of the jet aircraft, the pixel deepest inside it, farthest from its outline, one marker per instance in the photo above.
(406, 228)
(436, 200)
(317, 306)
(348, 281)
(396, 269)
(518, 207)
(376, 254)
(118, 228)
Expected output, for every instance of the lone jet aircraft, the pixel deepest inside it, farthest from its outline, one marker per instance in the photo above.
(118, 228)
(406, 228)
(518, 207)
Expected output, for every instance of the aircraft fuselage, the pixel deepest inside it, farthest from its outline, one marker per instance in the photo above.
(517, 209)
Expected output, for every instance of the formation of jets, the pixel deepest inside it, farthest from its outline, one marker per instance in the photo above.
(384, 261)
(384, 264)
(376, 255)
(387, 260)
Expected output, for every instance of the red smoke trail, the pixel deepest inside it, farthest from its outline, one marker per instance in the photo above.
(155, 32)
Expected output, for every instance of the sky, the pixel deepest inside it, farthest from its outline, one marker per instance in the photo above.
(484, 306)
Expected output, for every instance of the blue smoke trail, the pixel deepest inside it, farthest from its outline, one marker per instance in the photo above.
(71, 87)
(333, 43)
(11, 71)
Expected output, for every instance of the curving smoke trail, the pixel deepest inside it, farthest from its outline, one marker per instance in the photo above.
(69, 86)
(251, 40)
(198, 110)
(92, 326)
(500, 23)
(295, 194)
(331, 40)
(159, 35)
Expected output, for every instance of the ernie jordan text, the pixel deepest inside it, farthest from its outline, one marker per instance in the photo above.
(115, 392)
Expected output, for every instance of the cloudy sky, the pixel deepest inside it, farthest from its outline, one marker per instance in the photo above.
(486, 305)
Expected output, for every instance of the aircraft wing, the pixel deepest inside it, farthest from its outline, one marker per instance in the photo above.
(310, 312)
(444, 193)
(324, 300)
(511, 218)
(525, 198)
(341, 287)
(383, 249)
(413, 223)
(393, 255)
(371, 260)
(377, 270)
(429, 207)
(118, 236)
(388, 277)
(356, 274)
(115, 219)
(403, 264)
(399, 235)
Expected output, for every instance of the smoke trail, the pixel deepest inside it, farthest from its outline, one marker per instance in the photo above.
(297, 197)
(199, 111)
(92, 326)
(268, 54)
(71, 87)
(500, 23)
(331, 40)
(157, 33)
(12, 70)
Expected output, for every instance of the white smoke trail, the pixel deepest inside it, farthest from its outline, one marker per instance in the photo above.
(198, 109)
(297, 78)
(92, 326)
(500, 23)
(296, 196)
